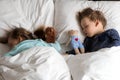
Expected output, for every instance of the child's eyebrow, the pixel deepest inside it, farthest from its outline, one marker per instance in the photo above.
(82, 28)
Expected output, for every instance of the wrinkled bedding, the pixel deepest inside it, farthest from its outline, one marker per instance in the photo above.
(43, 63)
(100, 65)
(29, 14)
(38, 63)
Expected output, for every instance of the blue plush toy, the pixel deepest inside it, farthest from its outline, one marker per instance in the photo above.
(75, 42)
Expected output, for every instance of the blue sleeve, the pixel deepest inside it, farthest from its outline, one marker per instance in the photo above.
(19, 48)
(13, 52)
(114, 36)
(56, 45)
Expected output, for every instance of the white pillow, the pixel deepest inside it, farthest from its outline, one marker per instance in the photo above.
(65, 12)
(111, 12)
(28, 14)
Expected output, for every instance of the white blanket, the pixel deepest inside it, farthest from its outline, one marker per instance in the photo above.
(100, 65)
(38, 63)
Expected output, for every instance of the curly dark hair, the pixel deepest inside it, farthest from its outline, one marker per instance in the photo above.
(92, 15)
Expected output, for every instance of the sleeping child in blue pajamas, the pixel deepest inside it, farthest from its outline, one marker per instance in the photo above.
(20, 39)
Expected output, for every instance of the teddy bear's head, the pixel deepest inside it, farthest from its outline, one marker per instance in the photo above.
(73, 32)
(50, 34)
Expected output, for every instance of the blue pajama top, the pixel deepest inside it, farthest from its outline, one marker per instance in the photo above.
(106, 39)
(26, 44)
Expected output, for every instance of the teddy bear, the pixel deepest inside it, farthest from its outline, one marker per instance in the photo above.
(75, 42)
(46, 33)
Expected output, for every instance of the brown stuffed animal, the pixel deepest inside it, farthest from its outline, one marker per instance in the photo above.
(47, 34)
(50, 34)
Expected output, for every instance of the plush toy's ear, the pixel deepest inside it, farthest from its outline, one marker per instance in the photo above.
(69, 32)
(50, 34)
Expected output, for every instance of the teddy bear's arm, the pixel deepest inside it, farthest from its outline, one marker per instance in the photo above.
(82, 50)
(68, 42)
(77, 51)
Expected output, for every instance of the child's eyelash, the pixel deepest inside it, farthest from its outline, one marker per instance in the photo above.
(86, 26)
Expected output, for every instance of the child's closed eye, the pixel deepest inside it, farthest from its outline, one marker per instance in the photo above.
(86, 26)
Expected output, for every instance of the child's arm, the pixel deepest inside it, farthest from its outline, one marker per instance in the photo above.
(114, 36)
(11, 53)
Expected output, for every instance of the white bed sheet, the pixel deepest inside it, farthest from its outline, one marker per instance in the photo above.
(100, 65)
(38, 63)
(29, 14)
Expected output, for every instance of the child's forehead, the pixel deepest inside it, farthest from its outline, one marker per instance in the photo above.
(85, 21)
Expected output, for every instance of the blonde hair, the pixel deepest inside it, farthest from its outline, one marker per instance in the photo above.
(92, 15)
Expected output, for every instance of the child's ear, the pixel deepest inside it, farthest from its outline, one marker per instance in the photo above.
(96, 23)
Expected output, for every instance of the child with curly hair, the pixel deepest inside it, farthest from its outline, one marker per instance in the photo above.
(92, 23)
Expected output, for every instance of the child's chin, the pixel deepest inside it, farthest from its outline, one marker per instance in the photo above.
(89, 35)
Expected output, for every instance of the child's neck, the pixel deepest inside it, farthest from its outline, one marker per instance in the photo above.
(99, 32)
(100, 29)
